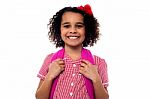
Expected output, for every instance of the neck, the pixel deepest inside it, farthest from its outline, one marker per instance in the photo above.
(73, 52)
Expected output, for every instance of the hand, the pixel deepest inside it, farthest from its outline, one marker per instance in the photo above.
(55, 68)
(88, 70)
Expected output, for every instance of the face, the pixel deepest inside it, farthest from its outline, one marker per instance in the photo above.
(72, 29)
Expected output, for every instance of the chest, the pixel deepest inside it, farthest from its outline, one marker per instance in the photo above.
(71, 83)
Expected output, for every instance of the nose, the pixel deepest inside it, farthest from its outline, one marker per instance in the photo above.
(73, 30)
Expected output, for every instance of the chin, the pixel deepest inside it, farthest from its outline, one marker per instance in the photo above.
(74, 45)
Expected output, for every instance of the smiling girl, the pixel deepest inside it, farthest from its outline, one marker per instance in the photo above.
(73, 72)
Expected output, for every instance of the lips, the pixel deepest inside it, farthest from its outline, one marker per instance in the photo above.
(73, 37)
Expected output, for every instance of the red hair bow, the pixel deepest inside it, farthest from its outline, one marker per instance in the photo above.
(87, 9)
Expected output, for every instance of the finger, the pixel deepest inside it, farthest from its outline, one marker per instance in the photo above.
(62, 66)
(61, 62)
(82, 70)
(83, 65)
(58, 59)
(86, 62)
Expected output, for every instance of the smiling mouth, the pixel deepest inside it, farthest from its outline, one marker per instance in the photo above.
(73, 37)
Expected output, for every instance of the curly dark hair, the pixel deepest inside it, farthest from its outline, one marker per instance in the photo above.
(91, 27)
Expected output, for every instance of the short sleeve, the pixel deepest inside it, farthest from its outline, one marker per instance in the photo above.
(44, 69)
(102, 70)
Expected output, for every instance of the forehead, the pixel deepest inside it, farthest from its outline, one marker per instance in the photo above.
(72, 17)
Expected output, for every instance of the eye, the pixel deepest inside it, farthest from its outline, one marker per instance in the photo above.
(79, 25)
(66, 26)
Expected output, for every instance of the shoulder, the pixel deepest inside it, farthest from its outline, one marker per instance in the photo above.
(98, 60)
(48, 57)
(44, 69)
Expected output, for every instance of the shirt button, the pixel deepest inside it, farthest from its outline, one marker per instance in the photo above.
(80, 74)
(73, 75)
(74, 65)
(72, 84)
(64, 58)
(71, 94)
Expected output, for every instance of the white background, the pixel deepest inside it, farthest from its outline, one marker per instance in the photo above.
(124, 44)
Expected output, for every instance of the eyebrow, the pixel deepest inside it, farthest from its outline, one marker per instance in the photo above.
(69, 23)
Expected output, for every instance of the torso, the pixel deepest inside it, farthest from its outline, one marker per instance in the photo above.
(71, 84)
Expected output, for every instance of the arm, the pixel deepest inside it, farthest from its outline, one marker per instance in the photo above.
(100, 91)
(43, 89)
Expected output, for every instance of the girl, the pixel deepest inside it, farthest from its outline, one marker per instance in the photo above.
(73, 72)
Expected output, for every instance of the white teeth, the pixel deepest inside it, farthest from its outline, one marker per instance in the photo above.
(73, 37)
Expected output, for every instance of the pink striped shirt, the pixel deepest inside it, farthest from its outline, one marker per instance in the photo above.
(71, 84)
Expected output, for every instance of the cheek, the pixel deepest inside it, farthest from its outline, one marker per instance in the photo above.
(63, 37)
(83, 34)
(62, 32)
(83, 37)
